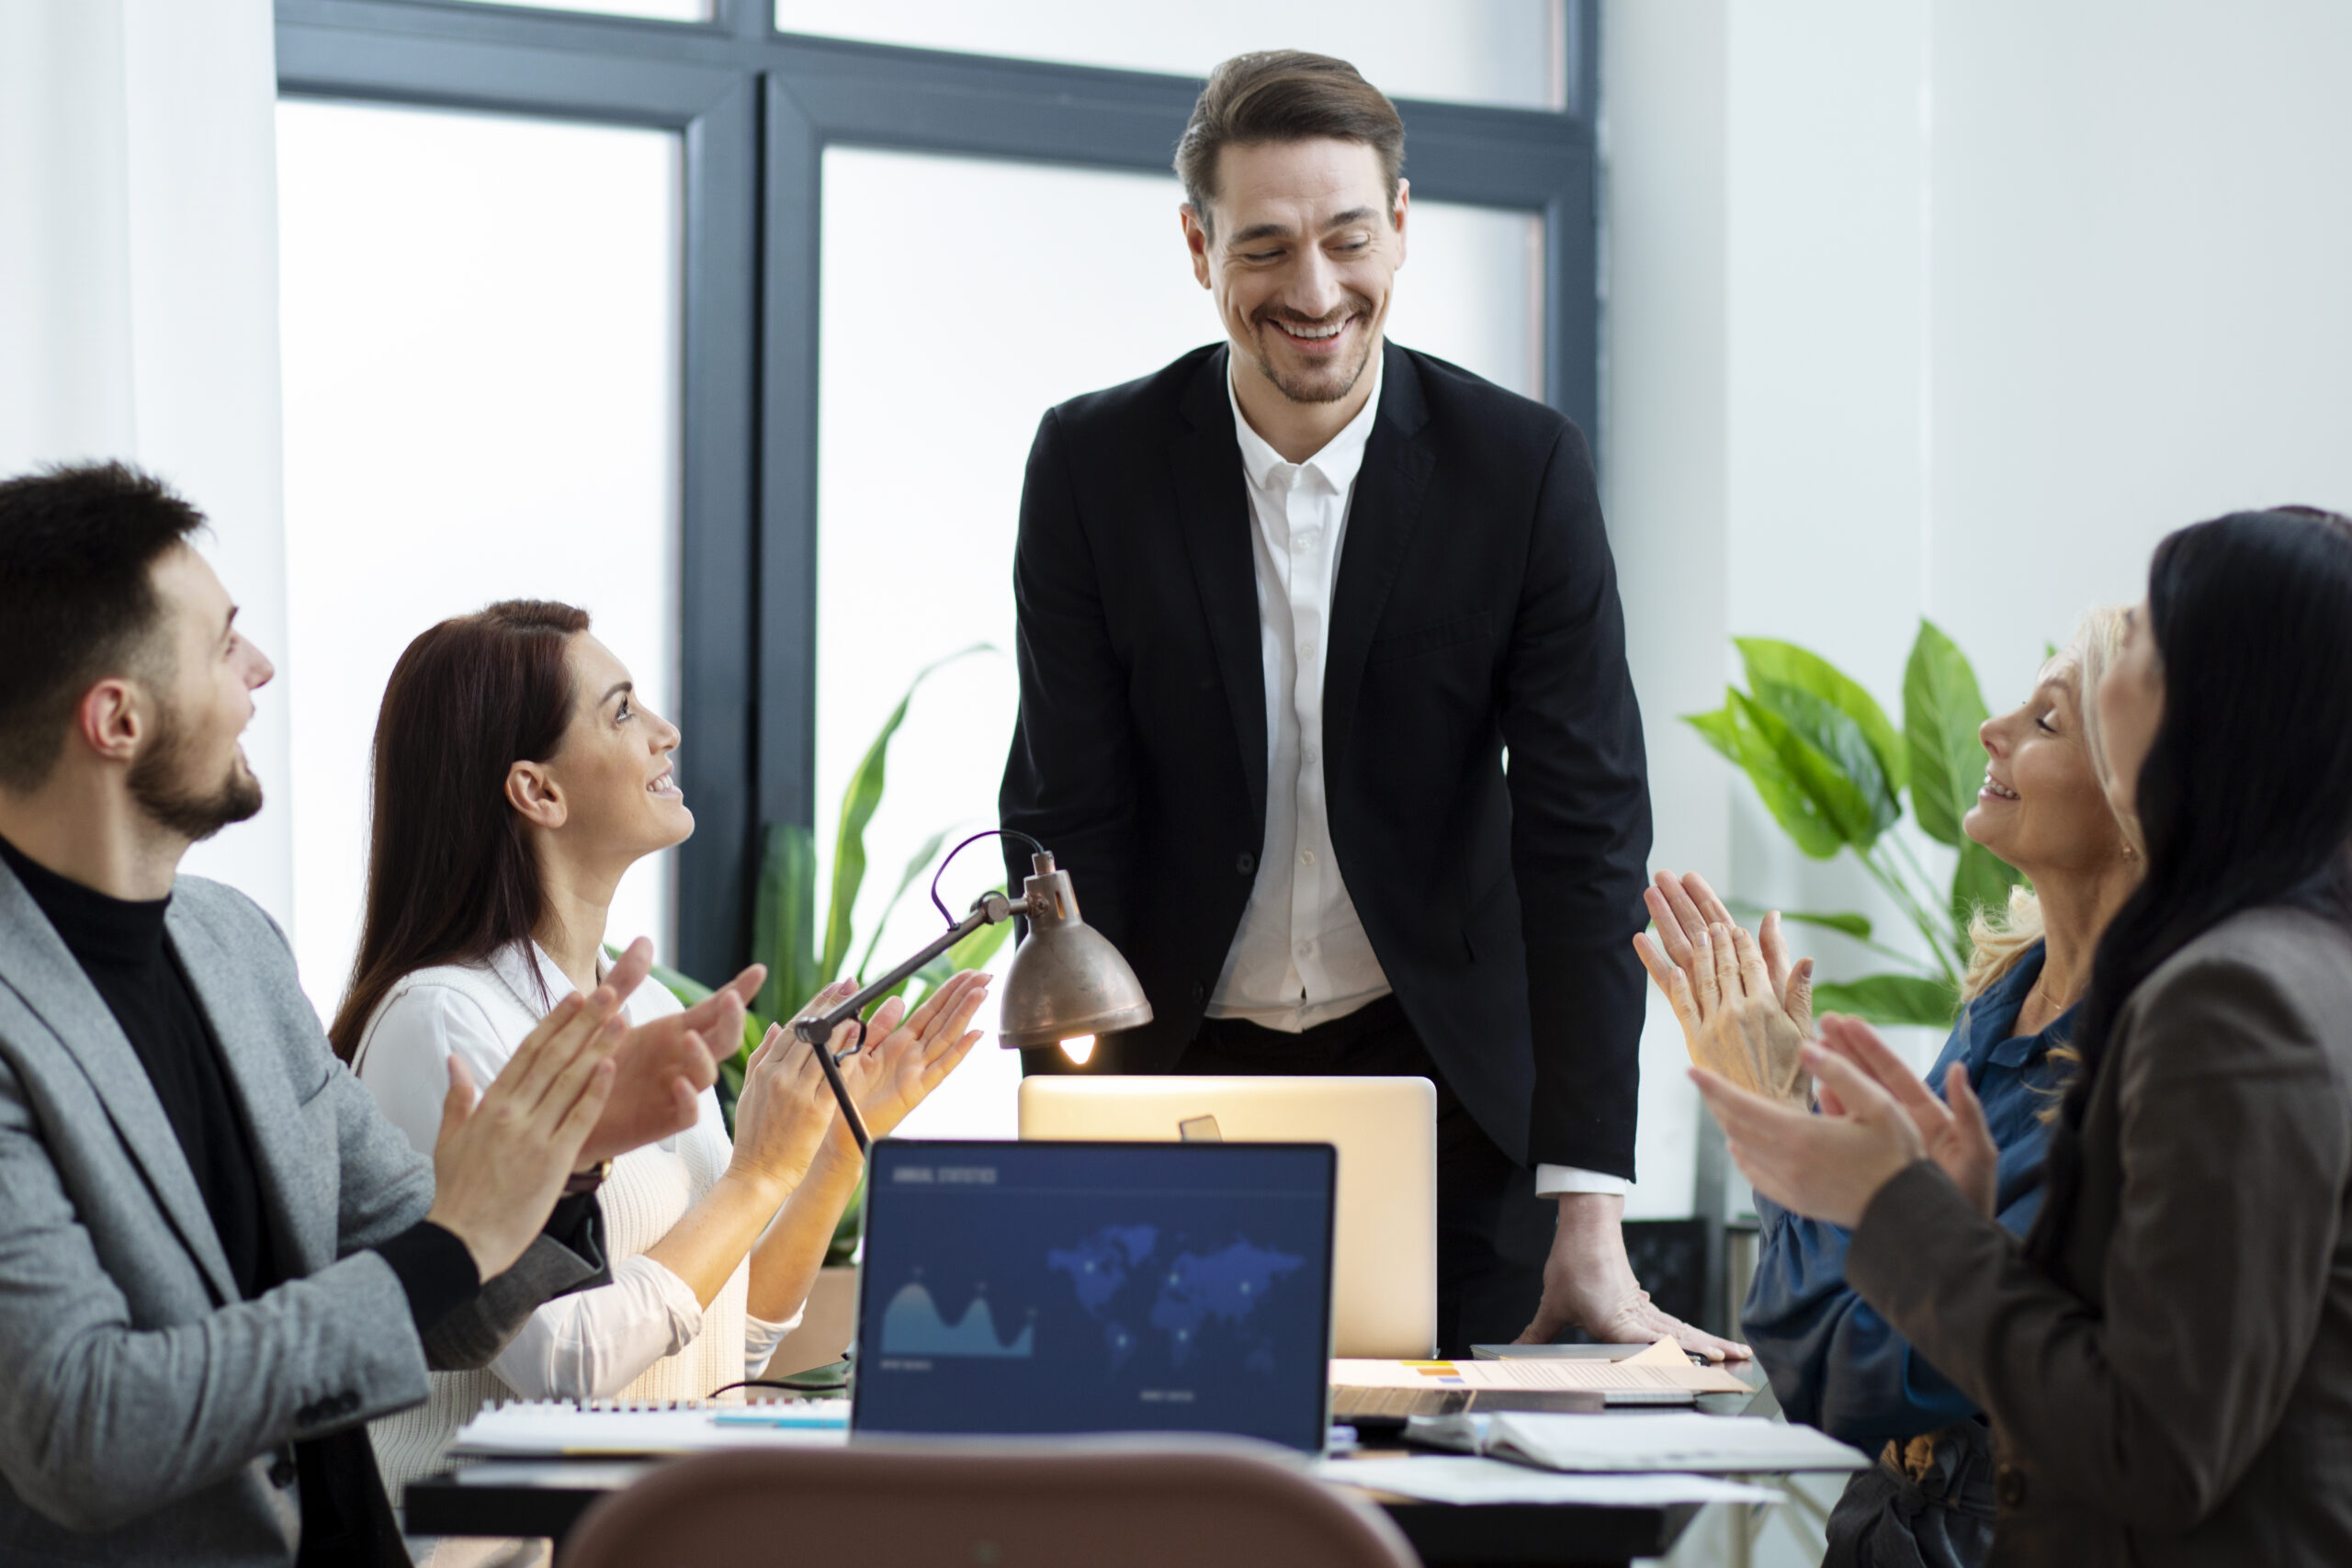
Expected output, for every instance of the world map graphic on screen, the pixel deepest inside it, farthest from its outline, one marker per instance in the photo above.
(1120, 1286)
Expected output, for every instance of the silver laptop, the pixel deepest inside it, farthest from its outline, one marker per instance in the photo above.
(1384, 1271)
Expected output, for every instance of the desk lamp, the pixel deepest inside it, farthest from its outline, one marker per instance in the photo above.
(1066, 985)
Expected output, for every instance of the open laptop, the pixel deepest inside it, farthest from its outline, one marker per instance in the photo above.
(1068, 1287)
(1384, 1263)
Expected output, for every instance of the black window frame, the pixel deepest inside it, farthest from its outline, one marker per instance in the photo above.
(756, 108)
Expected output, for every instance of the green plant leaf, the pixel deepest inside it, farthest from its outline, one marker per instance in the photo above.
(915, 868)
(1982, 880)
(784, 920)
(1731, 731)
(1824, 795)
(1855, 926)
(1889, 999)
(1839, 742)
(1785, 664)
(1751, 914)
(859, 800)
(1720, 729)
(1942, 707)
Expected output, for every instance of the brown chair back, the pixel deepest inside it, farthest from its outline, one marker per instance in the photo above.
(1108, 1503)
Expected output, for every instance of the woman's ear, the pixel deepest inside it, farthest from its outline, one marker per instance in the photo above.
(535, 795)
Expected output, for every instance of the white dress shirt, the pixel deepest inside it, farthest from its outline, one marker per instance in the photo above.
(1300, 956)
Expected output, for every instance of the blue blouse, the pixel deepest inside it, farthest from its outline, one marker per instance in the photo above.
(1834, 1363)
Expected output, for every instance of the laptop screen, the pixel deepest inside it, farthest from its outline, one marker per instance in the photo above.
(1046, 1288)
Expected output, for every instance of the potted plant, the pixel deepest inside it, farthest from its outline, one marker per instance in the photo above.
(1834, 772)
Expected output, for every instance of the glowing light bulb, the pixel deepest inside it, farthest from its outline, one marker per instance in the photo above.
(1079, 1049)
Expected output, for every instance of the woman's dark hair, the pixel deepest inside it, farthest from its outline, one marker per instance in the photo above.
(2245, 796)
(450, 877)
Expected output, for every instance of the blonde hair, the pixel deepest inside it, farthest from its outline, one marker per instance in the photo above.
(1998, 939)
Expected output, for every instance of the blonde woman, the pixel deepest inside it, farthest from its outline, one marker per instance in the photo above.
(1745, 1011)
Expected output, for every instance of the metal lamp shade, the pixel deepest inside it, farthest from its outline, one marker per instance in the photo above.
(1066, 980)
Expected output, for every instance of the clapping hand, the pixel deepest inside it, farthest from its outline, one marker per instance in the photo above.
(501, 1160)
(787, 1107)
(661, 1067)
(909, 1054)
(1876, 1118)
(1952, 1130)
(1745, 1009)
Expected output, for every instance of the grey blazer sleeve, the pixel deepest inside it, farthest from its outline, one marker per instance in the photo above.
(101, 1421)
(2234, 1149)
(387, 1187)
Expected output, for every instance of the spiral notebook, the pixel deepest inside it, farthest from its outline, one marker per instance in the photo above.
(613, 1429)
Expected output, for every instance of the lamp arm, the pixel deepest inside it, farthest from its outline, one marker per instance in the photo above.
(987, 911)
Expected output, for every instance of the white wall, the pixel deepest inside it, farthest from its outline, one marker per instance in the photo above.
(139, 301)
(1945, 309)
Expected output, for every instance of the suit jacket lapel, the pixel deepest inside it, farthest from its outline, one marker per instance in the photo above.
(42, 970)
(1213, 499)
(272, 1117)
(1382, 516)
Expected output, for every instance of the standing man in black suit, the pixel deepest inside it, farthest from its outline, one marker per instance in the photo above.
(1283, 606)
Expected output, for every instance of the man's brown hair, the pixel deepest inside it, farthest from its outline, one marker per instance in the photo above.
(1285, 94)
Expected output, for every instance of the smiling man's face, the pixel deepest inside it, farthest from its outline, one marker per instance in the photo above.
(1300, 250)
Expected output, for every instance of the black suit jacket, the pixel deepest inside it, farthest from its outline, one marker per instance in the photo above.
(1476, 609)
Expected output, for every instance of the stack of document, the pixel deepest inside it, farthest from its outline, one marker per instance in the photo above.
(1662, 1374)
(1711, 1445)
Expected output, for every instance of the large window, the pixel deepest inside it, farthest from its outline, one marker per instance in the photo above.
(859, 346)
(480, 329)
(1511, 52)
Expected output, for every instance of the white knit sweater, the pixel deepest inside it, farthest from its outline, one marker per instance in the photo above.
(643, 1336)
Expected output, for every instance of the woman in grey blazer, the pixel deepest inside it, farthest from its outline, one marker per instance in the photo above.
(2167, 1355)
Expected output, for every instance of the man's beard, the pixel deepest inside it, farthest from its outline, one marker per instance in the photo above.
(1324, 386)
(194, 815)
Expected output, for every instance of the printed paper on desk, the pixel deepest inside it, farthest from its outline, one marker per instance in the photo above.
(1663, 1368)
(1478, 1481)
(560, 1428)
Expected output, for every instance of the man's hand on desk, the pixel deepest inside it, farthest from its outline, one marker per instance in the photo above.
(1588, 1283)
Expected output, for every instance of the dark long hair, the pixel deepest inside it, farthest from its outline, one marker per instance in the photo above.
(2246, 797)
(450, 877)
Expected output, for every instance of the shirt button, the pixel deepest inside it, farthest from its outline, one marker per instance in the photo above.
(1244, 863)
(1308, 756)
(1305, 650)
(1200, 992)
(1306, 857)
(1306, 950)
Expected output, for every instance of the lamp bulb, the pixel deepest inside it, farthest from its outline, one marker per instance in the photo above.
(1078, 1048)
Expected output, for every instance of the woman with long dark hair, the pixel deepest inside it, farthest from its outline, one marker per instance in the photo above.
(2166, 1357)
(519, 775)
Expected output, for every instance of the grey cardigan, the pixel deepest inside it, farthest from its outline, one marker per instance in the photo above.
(143, 1403)
(2176, 1385)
